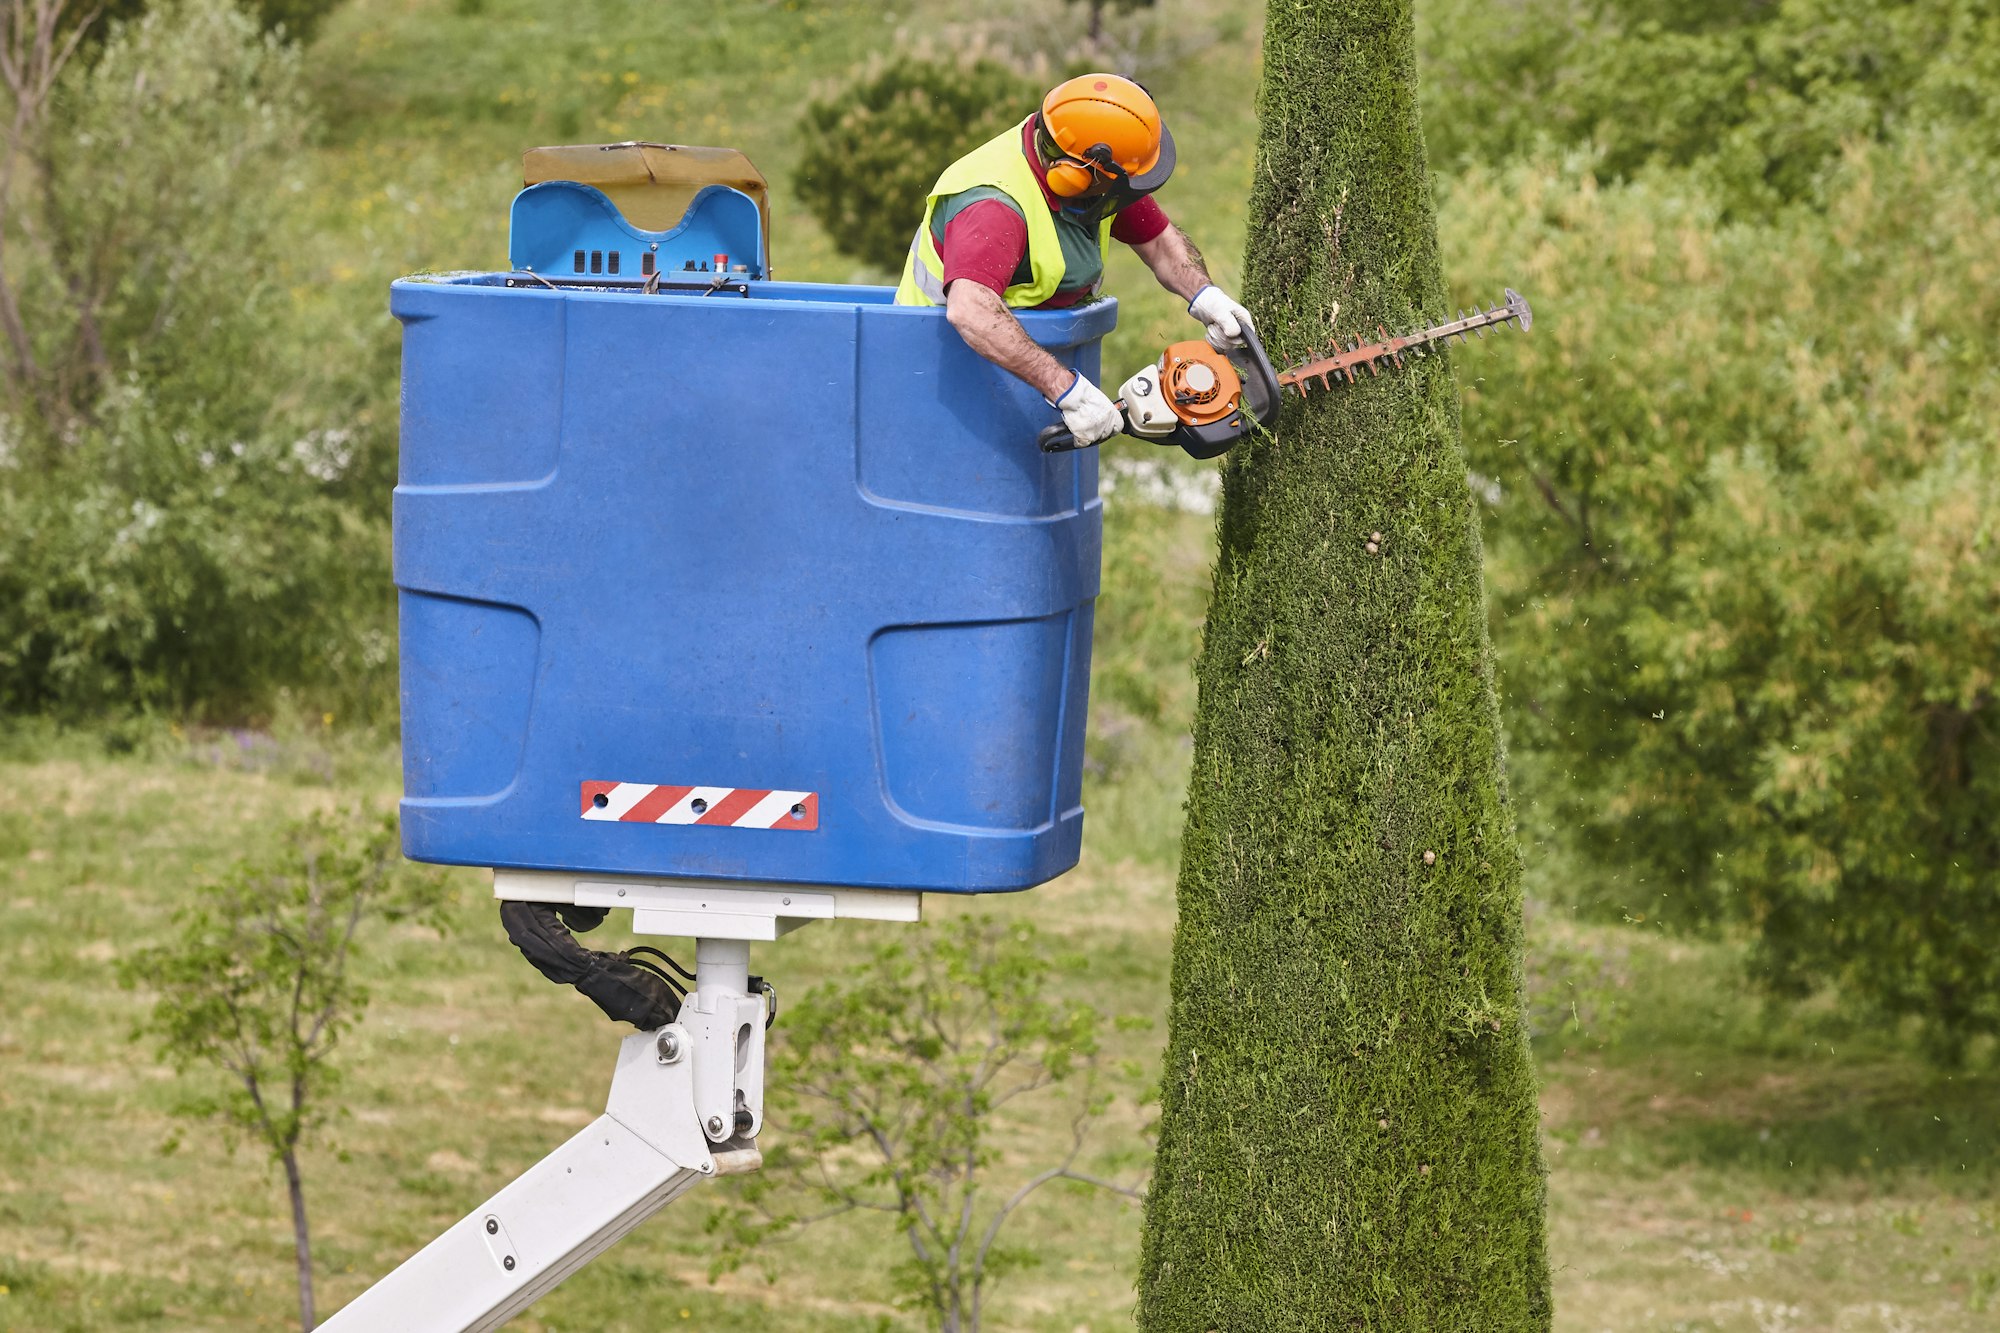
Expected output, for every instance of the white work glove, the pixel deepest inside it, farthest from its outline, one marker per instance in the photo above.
(1089, 415)
(1225, 319)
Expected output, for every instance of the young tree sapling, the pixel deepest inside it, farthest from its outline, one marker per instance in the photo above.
(259, 984)
(891, 1090)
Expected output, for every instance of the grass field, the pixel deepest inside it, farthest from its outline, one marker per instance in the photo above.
(1715, 1165)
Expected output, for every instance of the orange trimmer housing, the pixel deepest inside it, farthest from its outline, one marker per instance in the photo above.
(1201, 385)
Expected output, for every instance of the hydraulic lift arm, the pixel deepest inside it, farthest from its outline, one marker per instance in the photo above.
(686, 1104)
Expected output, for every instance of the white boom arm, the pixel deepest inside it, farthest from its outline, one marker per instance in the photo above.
(687, 1102)
(644, 1152)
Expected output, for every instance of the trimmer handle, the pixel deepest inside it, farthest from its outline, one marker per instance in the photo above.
(1058, 440)
(1260, 404)
(1260, 385)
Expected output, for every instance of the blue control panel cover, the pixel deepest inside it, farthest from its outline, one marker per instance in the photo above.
(565, 230)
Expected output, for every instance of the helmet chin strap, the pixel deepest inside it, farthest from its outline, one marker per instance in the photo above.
(1093, 207)
(1112, 197)
(1107, 196)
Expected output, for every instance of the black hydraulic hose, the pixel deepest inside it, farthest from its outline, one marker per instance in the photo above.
(622, 989)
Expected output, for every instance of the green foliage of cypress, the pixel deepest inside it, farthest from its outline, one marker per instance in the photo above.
(1348, 1133)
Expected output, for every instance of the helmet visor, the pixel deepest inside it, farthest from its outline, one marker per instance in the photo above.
(1153, 177)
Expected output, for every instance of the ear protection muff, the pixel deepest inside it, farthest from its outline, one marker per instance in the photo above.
(1069, 178)
(1071, 175)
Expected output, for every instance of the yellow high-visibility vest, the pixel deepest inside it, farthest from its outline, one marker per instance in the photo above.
(998, 164)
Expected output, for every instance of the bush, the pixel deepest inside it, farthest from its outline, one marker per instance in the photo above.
(171, 529)
(158, 569)
(1759, 98)
(1745, 583)
(874, 148)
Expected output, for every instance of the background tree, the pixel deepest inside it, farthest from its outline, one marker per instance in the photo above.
(144, 155)
(1349, 1123)
(1097, 8)
(874, 147)
(891, 1090)
(1745, 495)
(293, 20)
(38, 39)
(179, 525)
(1745, 608)
(1757, 100)
(259, 984)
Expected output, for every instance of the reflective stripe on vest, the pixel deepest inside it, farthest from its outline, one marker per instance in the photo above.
(997, 164)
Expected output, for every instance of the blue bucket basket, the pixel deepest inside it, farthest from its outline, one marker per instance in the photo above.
(733, 580)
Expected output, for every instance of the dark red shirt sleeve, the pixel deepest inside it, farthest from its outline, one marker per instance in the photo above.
(985, 241)
(1139, 222)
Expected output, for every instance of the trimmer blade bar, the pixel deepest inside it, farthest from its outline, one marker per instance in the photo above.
(1344, 364)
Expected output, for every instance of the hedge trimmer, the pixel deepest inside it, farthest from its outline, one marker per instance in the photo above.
(1204, 401)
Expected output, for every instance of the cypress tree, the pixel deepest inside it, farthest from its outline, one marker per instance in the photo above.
(1348, 1131)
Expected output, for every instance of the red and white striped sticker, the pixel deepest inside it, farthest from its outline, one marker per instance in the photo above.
(717, 807)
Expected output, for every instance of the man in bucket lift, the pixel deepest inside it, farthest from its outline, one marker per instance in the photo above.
(1026, 220)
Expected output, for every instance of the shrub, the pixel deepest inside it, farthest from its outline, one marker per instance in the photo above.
(874, 147)
(171, 529)
(1746, 590)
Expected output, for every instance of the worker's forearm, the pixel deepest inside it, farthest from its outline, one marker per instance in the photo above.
(990, 329)
(1175, 262)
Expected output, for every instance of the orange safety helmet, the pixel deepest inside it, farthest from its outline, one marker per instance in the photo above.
(1103, 130)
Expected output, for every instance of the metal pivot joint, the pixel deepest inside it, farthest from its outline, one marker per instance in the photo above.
(724, 1020)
